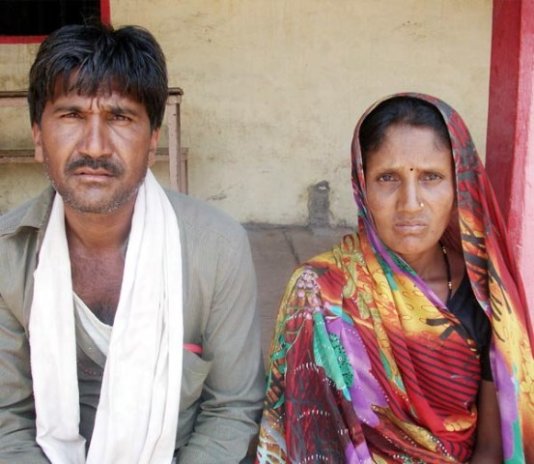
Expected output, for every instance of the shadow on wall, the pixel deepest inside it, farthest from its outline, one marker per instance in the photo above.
(319, 205)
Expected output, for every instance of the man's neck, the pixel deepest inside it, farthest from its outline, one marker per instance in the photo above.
(97, 248)
(99, 232)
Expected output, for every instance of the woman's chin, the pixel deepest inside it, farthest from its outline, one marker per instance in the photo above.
(413, 246)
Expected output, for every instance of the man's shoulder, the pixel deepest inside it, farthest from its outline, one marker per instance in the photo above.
(202, 219)
(32, 213)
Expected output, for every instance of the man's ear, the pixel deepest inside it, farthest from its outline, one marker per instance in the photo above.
(154, 138)
(37, 142)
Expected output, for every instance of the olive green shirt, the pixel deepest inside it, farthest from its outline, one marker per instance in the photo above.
(222, 390)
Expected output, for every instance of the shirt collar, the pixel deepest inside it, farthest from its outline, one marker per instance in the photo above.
(33, 214)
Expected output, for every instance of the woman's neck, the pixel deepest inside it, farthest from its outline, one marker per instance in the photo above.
(427, 265)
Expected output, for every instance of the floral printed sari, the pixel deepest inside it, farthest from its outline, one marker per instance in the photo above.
(368, 366)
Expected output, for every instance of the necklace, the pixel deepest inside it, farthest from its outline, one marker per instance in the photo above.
(448, 268)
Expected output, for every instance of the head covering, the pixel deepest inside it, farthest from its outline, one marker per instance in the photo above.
(491, 268)
(368, 365)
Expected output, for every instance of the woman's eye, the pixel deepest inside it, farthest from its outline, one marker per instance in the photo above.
(431, 176)
(386, 178)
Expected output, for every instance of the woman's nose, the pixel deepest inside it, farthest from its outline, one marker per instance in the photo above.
(410, 200)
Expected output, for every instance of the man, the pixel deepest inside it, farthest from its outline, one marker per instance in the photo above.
(128, 331)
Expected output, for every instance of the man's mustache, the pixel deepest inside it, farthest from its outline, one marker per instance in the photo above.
(94, 163)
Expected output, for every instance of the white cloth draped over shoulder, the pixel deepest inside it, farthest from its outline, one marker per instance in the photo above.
(137, 416)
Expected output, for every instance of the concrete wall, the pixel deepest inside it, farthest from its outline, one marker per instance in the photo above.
(273, 89)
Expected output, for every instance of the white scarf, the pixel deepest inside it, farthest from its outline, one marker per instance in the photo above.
(137, 416)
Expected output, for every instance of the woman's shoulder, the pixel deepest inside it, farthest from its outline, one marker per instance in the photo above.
(345, 249)
(327, 273)
(331, 260)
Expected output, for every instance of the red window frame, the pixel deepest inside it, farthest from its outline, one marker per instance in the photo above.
(105, 17)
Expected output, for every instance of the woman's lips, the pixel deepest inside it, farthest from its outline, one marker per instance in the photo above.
(410, 227)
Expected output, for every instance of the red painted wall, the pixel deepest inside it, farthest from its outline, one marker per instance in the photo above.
(510, 141)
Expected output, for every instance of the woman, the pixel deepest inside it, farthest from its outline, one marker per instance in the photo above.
(409, 341)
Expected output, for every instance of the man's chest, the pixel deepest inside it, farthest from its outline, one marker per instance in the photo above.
(97, 281)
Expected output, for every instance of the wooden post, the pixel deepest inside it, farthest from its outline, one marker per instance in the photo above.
(176, 167)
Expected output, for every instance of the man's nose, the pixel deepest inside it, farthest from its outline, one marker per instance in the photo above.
(95, 140)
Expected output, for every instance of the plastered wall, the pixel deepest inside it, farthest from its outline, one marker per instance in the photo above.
(273, 89)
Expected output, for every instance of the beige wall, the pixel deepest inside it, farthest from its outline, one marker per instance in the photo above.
(273, 89)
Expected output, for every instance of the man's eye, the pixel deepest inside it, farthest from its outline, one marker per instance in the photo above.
(119, 117)
(71, 115)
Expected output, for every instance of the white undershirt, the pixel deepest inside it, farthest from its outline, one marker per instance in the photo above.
(98, 332)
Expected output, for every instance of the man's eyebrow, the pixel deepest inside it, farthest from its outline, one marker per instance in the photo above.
(67, 109)
(113, 108)
(119, 109)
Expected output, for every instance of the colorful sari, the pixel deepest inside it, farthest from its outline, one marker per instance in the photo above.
(368, 366)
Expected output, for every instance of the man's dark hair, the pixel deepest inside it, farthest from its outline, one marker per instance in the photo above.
(95, 58)
(401, 110)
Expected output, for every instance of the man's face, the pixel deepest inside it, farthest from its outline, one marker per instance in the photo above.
(96, 149)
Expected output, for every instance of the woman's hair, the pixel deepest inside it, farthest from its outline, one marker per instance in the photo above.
(95, 58)
(402, 110)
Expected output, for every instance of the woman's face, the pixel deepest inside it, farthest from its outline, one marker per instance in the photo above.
(410, 189)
